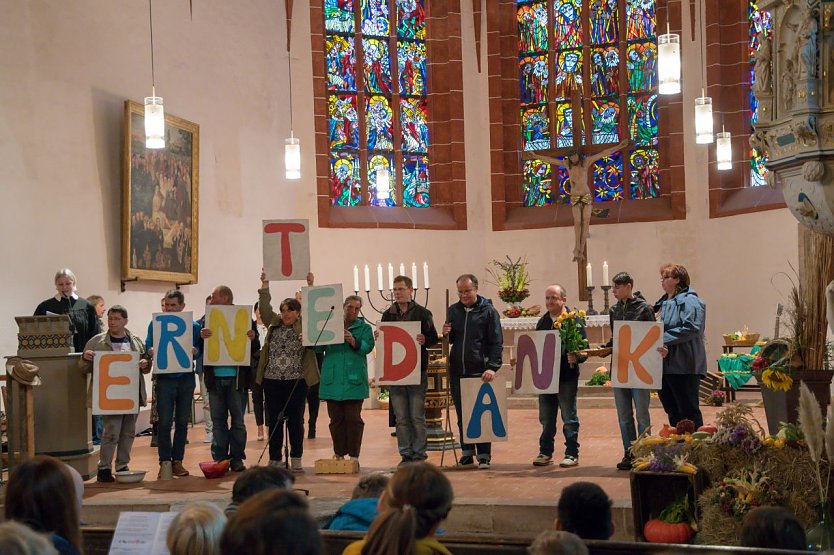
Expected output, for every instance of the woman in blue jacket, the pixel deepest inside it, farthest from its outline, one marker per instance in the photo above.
(684, 357)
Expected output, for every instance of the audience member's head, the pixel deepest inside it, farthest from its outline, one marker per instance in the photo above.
(371, 485)
(257, 479)
(417, 499)
(18, 539)
(772, 527)
(273, 522)
(41, 494)
(557, 542)
(585, 510)
(196, 530)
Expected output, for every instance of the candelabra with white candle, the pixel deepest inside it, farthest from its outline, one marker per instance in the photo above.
(388, 295)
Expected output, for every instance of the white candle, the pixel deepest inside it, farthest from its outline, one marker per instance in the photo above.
(426, 275)
(589, 278)
(355, 277)
(379, 276)
(367, 278)
(414, 274)
(390, 276)
(605, 272)
(402, 269)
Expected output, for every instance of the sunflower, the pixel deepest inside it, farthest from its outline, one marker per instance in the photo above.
(777, 380)
(582, 313)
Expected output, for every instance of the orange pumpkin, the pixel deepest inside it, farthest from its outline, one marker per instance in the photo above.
(660, 531)
(708, 429)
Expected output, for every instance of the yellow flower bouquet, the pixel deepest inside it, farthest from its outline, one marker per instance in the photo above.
(568, 323)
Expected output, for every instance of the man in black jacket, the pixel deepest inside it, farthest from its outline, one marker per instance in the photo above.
(409, 401)
(551, 403)
(228, 388)
(474, 330)
(633, 307)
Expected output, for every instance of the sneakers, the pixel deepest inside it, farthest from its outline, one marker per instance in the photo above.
(542, 460)
(295, 464)
(237, 466)
(209, 438)
(177, 469)
(624, 464)
(483, 464)
(466, 460)
(569, 461)
(275, 464)
(105, 476)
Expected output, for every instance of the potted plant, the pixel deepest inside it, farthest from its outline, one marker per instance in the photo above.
(512, 279)
(717, 397)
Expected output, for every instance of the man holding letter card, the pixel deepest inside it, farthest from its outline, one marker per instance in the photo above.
(550, 404)
(228, 384)
(119, 429)
(473, 327)
(179, 344)
(408, 401)
(630, 306)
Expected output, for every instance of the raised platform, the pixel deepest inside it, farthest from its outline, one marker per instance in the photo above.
(511, 497)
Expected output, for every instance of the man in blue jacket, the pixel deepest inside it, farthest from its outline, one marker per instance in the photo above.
(474, 330)
(174, 394)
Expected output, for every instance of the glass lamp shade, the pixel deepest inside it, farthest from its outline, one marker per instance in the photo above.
(669, 63)
(703, 120)
(383, 185)
(292, 158)
(154, 122)
(724, 150)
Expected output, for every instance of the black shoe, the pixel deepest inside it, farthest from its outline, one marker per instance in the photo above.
(104, 476)
(394, 434)
(405, 460)
(238, 466)
(466, 460)
(483, 464)
(311, 433)
(154, 442)
(624, 464)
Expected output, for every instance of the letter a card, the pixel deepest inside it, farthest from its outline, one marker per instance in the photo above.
(484, 410)
(399, 352)
(116, 382)
(635, 362)
(286, 249)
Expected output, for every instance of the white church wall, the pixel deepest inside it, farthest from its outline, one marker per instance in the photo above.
(68, 67)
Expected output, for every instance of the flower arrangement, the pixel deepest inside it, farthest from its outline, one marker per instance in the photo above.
(773, 368)
(717, 397)
(568, 324)
(743, 490)
(511, 278)
(602, 376)
(736, 427)
(666, 457)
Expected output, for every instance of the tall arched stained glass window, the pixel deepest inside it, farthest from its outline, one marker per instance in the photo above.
(760, 26)
(375, 55)
(587, 79)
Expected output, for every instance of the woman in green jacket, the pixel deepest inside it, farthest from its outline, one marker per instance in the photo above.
(344, 381)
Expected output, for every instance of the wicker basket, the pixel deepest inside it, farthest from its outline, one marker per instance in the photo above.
(748, 341)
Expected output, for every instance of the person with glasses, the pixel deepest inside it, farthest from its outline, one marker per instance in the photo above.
(474, 330)
(683, 314)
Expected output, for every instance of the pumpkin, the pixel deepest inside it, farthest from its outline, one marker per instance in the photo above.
(660, 531)
(708, 429)
(666, 431)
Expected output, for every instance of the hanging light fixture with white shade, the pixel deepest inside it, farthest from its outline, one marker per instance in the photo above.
(724, 150)
(703, 104)
(154, 112)
(669, 62)
(292, 146)
(703, 119)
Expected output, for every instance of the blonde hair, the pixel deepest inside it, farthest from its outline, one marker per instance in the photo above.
(67, 273)
(196, 530)
(19, 539)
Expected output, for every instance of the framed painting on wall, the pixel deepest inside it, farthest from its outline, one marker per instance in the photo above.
(160, 201)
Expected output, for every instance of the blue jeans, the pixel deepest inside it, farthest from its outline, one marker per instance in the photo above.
(174, 397)
(623, 399)
(97, 428)
(549, 405)
(226, 401)
(409, 405)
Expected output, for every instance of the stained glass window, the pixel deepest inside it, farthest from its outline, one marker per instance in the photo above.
(760, 26)
(588, 63)
(377, 81)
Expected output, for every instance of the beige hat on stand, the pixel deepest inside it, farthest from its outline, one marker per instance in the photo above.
(23, 371)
